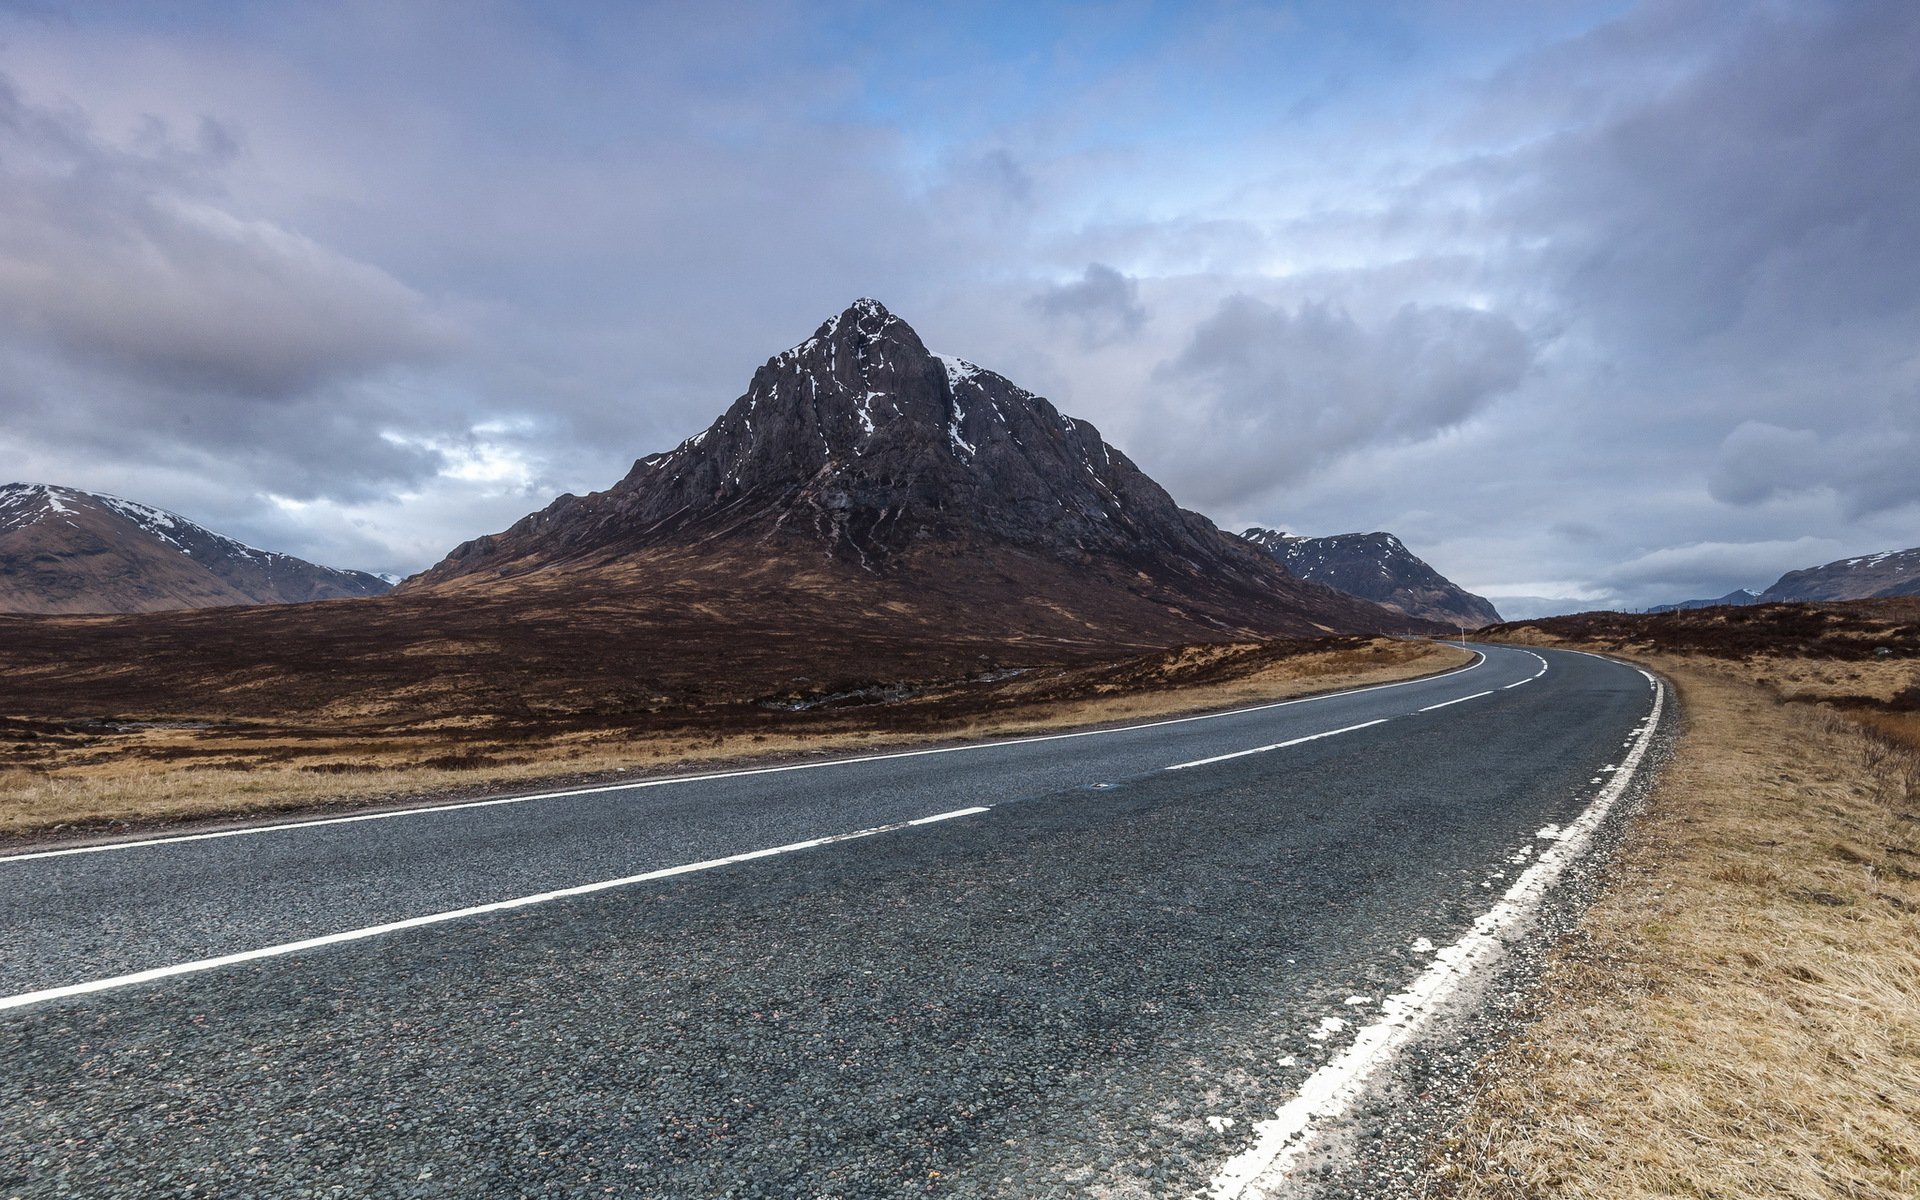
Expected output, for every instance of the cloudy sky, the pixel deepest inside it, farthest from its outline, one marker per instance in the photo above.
(1592, 303)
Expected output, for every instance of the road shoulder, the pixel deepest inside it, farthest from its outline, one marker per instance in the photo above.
(1738, 1014)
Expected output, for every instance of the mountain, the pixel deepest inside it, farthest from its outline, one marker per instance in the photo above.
(1376, 567)
(63, 550)
(1893, 573)
(1739, 596)
(862, 462)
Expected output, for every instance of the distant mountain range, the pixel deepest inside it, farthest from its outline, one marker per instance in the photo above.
(1735, 597)
(1863, 577)
(1376, 567)
(63, 550)
(920, 494)
(861, 459)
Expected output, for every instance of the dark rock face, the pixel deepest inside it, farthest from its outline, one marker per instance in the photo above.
(1735, 597)
(63, 550)
(860, 446)
(1376, 567)
(1894, 573)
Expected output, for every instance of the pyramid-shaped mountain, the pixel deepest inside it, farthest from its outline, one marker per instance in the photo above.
(861, 452)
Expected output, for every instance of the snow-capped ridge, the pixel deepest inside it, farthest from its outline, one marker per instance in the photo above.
(97, 552)
(1378, 567)
(1862, 577)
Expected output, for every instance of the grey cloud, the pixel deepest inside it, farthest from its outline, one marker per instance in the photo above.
(1102, 304)
(1869, 470)
(998, 173)
(142, 320)
(1576, 531)
(123, 259)
(1263, 395)
(1771, 190)
(1700, 215)
(1706, 569)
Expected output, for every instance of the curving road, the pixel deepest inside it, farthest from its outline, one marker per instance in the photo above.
(1094, 963)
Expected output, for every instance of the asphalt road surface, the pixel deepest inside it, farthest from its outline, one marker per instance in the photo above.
(1088, 964)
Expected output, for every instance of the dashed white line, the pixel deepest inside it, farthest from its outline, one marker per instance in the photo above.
(23, 999)
(1461, 700)
(1312, 737)
(669, 781)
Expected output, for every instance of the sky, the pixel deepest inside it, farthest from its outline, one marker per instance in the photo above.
(1592, 304)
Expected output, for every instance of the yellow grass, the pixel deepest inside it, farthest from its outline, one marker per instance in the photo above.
(1739, 1016)
(129, 784)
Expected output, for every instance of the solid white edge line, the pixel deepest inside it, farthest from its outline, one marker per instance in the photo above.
(1332, 1091)
(1312, 737)
(354, 935)
(666, 781)
(1461, 700)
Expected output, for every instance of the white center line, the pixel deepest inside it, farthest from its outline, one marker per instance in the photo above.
(1312, 737)
(354, 935)
(1461, 700)
(675, 780)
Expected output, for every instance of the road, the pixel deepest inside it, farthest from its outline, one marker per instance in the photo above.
(1083, 964)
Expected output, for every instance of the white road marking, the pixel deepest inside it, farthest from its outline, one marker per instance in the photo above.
(1330, 1092)
(430, 809)
(1312, 737)
(354, 935)
(1461, 700)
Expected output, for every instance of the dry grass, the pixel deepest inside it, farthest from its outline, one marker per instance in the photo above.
(1739, 1016)
(150, 776)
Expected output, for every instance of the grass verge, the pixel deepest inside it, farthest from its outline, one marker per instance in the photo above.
(1739, 1014)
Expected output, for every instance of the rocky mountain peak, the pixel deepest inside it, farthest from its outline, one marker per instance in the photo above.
(861, 446)
(863, 382)
(1268, 539)
(1378, 567)
(866, 443)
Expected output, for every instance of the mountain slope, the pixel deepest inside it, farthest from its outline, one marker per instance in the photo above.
(1376, 567)
(63, 550)
(1893, 573)
(1735, 597)
(860, 455)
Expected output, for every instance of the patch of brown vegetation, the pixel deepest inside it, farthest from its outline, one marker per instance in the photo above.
(1848, 630)
(1739, 1015)
(621, 643)
(89, 775)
